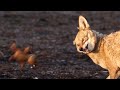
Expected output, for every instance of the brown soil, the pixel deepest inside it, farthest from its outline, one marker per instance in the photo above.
(52, 33)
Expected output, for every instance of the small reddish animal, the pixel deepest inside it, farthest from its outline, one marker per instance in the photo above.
(104, 50)
(22, 56)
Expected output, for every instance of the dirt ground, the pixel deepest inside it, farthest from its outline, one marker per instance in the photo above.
(52, 33)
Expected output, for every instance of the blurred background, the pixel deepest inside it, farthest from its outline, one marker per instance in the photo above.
(52, 33)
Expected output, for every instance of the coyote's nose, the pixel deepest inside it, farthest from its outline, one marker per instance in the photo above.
(81, 49)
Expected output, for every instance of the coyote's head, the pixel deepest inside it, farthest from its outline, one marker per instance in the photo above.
(85, 39)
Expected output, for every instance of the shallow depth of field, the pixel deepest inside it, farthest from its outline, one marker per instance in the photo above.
(52, 33)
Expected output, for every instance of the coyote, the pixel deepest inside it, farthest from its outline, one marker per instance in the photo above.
(104, 50)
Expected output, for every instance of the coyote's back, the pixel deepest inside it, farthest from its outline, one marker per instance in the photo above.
(104, 50)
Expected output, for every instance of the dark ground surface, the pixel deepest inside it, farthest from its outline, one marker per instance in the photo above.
(52, 33)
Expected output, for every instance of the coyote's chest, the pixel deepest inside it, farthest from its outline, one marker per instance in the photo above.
(98, 55)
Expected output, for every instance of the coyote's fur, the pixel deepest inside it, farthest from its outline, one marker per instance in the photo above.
(104, 50)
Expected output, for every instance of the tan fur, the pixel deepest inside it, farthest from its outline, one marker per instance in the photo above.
(104, 50)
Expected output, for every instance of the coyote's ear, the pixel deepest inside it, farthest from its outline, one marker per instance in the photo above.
(83, 23)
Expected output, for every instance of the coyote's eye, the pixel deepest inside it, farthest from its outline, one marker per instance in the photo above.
(82, 40)
(78, 45)
(85, 39)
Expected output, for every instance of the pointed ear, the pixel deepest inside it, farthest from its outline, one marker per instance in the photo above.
(13, 46)
(28, 49)
(83, 23)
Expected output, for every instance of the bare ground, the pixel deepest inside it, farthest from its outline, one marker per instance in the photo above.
(52, 33)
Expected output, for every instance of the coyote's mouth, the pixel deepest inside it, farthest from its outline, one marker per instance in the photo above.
(81, 51)
(84, 50)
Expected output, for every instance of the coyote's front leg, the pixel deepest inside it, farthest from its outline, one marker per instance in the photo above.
(113, 73)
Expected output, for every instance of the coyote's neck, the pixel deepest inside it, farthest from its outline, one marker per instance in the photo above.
(97, 55)
(99, 39)
(99, 34)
